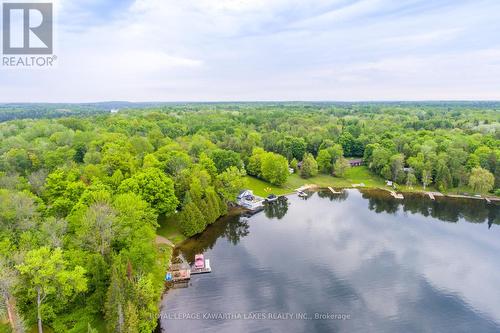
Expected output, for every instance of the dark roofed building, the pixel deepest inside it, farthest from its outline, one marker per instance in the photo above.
(356, 162)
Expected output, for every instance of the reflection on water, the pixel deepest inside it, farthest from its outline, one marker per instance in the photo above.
(391, 265)
(276, 209)
(444, 209)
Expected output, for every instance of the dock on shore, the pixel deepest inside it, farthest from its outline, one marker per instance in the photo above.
(183, 272)
(397, 195)
(178, 273)
(307, 187)
(333, 191)
(433, 195)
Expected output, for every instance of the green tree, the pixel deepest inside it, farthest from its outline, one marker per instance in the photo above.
(481, 180)
(254, 166)
(348, 143)
(443, 176)
(155, 188)
(341, 166)
(8, 281)
(483, 153)
(150, 161)
(324, 160)
(115, 299)
(97, 228)
(117, 157)
(417, 163)
(131, 322)
(411, 179)
(191, 220)
(46, 273)
(397, 165)
(386, 172)
(17, 160)
(309, 166)
(208, 164)
(274, 168)
(380, 159)
(175, 161)
(229, 183)
(426, 176)
(294, 147)
(335, 152)
(225, 159)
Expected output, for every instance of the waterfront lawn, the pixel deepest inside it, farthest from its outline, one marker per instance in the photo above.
(263, 188)
(355, 175)
(170, 229)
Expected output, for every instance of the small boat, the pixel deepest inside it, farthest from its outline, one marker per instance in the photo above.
(202, 270)
(199, 261)
(271, 198)
(302, 194)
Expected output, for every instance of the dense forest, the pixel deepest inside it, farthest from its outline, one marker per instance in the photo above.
(81, 193)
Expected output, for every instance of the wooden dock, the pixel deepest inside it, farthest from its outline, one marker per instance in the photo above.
(178, 276)
(181, 273)
(195, 271)
(307, 187)
(487, 199)
(333, 191)
(397, 195)
(206, 269)
(433, 195)
(178, 273)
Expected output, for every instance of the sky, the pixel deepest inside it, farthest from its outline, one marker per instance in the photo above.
(266, 50)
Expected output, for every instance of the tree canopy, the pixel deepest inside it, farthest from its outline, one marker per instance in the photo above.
(81, 191)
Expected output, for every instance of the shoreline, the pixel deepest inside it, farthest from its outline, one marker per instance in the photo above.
(315, 187)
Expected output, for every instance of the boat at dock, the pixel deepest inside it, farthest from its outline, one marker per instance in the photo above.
(182, 272)
(202, 270)
(302, 194)
(271, 198)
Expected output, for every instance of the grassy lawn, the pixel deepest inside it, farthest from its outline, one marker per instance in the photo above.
(263, 188)
(355, 175)
(170, 229)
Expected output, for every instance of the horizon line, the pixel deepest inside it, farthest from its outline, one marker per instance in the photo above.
(268, 101)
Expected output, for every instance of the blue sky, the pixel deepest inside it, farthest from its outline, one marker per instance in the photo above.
(213, 50)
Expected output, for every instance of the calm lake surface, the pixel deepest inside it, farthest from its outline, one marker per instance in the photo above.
(379, 264)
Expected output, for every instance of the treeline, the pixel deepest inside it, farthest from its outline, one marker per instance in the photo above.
(80, 196)
(38, 111)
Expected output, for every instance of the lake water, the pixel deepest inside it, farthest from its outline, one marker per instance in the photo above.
(356, 262)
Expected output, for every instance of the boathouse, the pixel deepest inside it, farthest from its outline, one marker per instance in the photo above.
(248, 200)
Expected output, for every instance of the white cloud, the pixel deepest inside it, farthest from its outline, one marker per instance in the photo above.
(275, 49)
